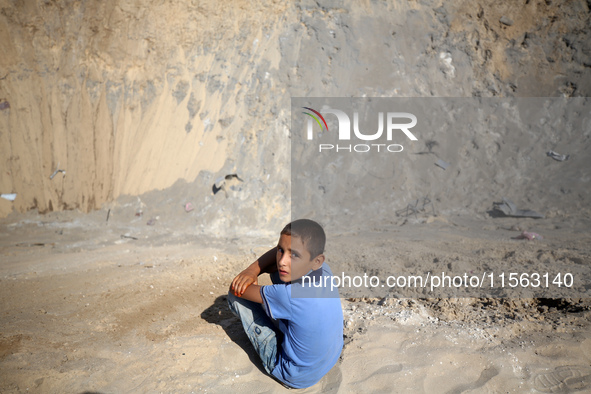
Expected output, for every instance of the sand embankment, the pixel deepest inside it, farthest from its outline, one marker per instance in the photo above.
(128, 97)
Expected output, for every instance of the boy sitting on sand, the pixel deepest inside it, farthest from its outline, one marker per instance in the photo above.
(296, 330)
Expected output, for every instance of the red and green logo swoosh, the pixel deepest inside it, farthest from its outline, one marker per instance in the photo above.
(316, 117)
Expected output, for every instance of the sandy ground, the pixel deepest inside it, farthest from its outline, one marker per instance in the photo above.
(94, 306)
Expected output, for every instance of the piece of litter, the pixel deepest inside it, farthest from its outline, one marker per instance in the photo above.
(56, 171)
(528, 235)
(442, 164)
(419, 206)
(4, 105)
(508, 208)
(151, 222)
(215, 258)
(189, 207)
(8, 196)
(220, 183)
(557, 156)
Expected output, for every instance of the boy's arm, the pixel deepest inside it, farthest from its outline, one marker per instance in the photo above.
(253, 293)
(266, 263)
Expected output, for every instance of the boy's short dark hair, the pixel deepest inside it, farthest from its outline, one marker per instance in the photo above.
(311, 234)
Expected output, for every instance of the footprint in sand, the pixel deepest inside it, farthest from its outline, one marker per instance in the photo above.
(486, 375)
(385, 370)
(564, 379)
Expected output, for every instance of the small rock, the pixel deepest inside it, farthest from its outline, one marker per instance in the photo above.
(506, 21)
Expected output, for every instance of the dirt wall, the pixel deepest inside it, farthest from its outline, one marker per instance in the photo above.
(128, 97)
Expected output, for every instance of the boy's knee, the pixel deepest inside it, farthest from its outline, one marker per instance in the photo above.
(231, 300)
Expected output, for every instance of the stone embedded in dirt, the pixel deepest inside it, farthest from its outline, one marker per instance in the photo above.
(506, 21)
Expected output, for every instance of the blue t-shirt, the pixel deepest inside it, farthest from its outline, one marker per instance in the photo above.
(312, 328)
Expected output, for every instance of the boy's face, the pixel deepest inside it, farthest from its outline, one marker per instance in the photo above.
(293, 258)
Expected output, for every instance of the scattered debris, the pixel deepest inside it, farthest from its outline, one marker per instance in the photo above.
(528, 235)
(140, 207)
(557, 156)
(419, 206)
(226, 182)
(9, 196)
(28, 244)
(56, 171)
(429, 144)
(189, 207)
(514, 228)
(446, 64)
(506, 21)
(509, 209)
(442, 164)
(4, 105)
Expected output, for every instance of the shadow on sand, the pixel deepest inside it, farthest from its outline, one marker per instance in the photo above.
(219, 313)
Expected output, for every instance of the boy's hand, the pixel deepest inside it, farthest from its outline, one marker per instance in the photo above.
(242, 281)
